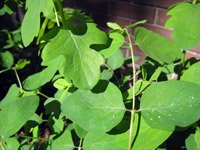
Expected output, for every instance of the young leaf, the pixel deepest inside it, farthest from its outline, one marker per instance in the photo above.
(117, 42)
(14, 115)
(95, 111)
(106, 75)
(63, 142)
(31, 23)
(185, 31)
(82, 64)
(155, 46)
(6, 59)
(168, 104)
(37, 80)
(116, 60)
(192, 74)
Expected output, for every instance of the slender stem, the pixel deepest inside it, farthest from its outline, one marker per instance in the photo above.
(80, 144)
(60, 9)
(42, 30)
(4, 70)
(56, 14)
(182, 63)
(113, 73)
(194, 1)
(133, 102)
(2, 145)
(47, 97)
(18, 80)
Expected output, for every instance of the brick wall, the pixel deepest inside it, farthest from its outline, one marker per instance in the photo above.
(125, 12)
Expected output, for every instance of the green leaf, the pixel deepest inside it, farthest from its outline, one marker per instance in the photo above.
(100, 141)
(193, 141)
(80, 131)
(185, 31)
(116, 60)
(14, 115)
(63, 142)
(114, 26)
(11, 143)
(21, 64)
(82, 64)
(61, 84)
(117, 42)
(155, 137)
(155, 46)
(37, 80)
(6, 59)
(106, 75)
(95, 111)
(168, 104)
(31, 23)
(192, 74)
(11, 96)
(140, 85)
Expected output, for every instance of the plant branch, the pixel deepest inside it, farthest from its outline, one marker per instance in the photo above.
(194, 2)
(56, 14)
(18, 80)
(80, 144)
(61, 12)
(133, 102)
(42, 30)
(45, 96)
(4, 70)
(182, 63)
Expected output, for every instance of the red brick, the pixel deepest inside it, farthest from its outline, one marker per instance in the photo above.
(132, 11)
(161, 16)
(94, 5)
(196, 49)
(190, 54)
(102, 19)
(158, 3)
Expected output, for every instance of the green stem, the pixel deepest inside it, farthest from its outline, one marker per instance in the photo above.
(194, 2)
(61, 12)
(2, 145)
(18, 80)
(133, 102)
(113, 73)
(182, 63)
(56, 14)
(45, 96)
(42, 30)
(4, 70)
(80, 144)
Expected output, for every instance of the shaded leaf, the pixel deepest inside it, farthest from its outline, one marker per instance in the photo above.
(11, 143)
(63, 142)
(6, 59)
(117, 42)
(116, 60)
(168, 104)
(193, 141)
(37, 80)
(82, 64)
(80, 131)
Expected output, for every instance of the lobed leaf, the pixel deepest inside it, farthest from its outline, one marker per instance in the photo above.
(82, 64)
